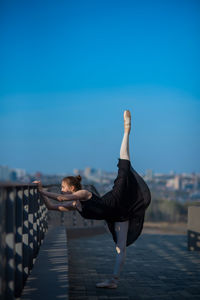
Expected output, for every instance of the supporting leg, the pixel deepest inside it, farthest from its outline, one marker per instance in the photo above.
(121, 229)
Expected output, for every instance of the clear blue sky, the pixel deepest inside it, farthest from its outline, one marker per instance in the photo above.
(70, 68)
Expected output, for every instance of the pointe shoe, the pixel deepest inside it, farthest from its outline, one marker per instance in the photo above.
(109, 283)
(127, 121)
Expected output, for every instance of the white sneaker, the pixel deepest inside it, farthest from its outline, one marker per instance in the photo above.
(109, 283)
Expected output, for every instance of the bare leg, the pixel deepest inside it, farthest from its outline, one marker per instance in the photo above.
(124, 150)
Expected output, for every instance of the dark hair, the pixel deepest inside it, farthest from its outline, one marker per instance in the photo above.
(73, 181)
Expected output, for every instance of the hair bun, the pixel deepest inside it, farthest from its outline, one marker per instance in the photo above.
(78, 177)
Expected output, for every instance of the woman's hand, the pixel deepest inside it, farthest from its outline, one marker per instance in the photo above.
(39, 184)
(61, 198)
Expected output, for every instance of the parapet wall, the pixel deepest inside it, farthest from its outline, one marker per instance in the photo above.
(193, 228)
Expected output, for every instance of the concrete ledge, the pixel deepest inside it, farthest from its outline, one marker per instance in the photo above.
(49, 276)
(193, 228)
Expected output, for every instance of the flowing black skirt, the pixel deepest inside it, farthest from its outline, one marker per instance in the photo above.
(132, 196)
(128, 200)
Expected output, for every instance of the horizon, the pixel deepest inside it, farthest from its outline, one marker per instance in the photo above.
(154, 172)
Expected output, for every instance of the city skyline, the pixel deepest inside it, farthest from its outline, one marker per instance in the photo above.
(5, 169)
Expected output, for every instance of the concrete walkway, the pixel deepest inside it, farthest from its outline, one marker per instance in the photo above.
(49, 276)
(157, 267)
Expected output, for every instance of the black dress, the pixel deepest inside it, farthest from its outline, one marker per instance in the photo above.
(128, 200)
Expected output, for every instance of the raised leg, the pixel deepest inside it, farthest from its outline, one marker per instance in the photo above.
(113, 197)
(124, 150)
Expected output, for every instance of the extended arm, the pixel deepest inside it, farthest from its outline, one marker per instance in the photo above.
(79, 195)
(60, 207)
(51, 195)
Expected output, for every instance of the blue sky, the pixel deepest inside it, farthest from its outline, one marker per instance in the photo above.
(70, 69)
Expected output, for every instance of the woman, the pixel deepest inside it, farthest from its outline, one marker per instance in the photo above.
(123, 208)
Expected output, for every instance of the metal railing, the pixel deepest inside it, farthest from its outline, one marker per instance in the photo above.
(23, 224)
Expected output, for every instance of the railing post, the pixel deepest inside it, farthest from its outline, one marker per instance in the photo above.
(25, 234)
(2, 242)
(41, 221)
(10, 244)
(30, 225)
(37, 216)
(18, 242)
(34, 207)
(45, 219)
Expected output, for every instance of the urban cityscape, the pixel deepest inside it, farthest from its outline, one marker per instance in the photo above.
(183, 187)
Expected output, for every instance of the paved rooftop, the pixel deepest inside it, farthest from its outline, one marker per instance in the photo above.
(157, 267)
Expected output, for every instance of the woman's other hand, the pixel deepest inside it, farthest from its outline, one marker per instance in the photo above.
(61, 198)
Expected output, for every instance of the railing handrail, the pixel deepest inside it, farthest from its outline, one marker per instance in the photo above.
(19, 184)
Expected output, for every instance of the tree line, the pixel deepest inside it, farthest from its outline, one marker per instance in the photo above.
(167, 210)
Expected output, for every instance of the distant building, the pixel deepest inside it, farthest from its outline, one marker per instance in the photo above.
(197, 182)
(7, 174)
(87, 171)
(149, 175)
(76, 171)
(13, 176)
(170, 183)
(174, 183)
(172, 173)
(20, 173)
(4, 173)
(177, 182)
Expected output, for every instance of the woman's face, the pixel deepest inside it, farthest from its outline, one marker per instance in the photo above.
(65, 188)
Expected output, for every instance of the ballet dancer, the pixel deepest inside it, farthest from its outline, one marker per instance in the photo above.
(123, 208)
